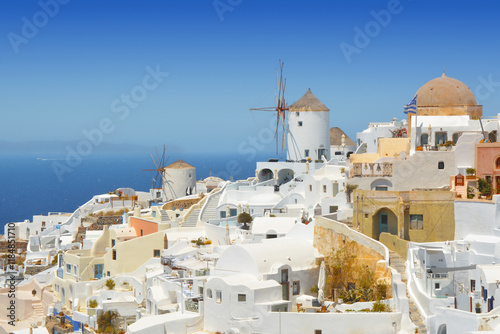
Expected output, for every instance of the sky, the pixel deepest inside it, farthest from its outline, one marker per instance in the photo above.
(185, 73)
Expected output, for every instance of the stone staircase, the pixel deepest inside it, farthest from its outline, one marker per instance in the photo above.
(38, 315)
(192, 220)
(398, 263)
(210, 210)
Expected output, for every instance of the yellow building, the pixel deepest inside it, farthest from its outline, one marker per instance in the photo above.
(419, 215)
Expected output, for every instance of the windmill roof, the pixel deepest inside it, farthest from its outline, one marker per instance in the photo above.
(179, 164)
(336, 137)
(308, 102)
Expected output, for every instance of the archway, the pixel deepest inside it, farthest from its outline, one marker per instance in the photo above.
(442, 329)
(381, 185)
(384, 220)
(265, 174)
(285, 175)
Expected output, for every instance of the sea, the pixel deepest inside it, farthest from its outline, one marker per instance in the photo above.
(34, 184)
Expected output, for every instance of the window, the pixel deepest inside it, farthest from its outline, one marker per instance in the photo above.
(218, 296)
(455, 137)
(75, 270)
(310, 187)
(108, 273)
(441, 165)
(472, 285)
(233, 212)
(142, 232)
(416, 222)
(441, 138)
(333, 208)
(497, 163)
(43, 224)
(381, 188)
(306, 153)
(424, 140)
(324, 188)
(200, 290)
(113, 242)
(317, 331)
(154, 214)
(68, 268)
(209, 293)
(437, 286)
(297, 114)
(242, 297)
(296, 287)
(492, 137)
(300, 123)
(114, 254)
(284, 275)
(156, 253)
(223, 214)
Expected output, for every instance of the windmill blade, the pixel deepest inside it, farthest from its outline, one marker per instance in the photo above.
(264, 109)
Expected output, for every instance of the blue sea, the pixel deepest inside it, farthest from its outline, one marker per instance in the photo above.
(29, 184)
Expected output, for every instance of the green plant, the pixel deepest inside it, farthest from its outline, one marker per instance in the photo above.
(314, 289)
(470, 171)
(470, 193)
(342, 170)
(379, 306)
(244, 218)
(484, 187)
(105, 322)
(110, 284)
(449, 143)
(93, 303)
(478, 305)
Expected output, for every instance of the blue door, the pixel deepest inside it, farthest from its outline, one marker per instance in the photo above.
(98, 270)
(382, 220)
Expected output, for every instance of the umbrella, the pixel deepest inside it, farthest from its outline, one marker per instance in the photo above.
(321, 283)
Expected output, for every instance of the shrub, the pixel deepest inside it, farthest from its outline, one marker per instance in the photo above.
(470, 171)
(379, 306)
(314, 289)
(93, 303)
(244, 218)
(110, 284)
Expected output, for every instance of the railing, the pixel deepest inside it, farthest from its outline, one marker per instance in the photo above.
(362, 169)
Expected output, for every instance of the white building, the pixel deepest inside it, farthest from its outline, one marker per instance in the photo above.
(179, 180)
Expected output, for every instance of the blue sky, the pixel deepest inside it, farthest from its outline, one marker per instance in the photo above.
(64, 77)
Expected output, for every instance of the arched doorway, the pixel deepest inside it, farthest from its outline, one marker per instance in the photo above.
(442, 329)
(265, 174)
(285, 175)
(384, 220)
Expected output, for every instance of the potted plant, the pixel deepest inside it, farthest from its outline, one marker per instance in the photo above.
(478, 307)
(485, 188)
(245, 218)
(471, 173)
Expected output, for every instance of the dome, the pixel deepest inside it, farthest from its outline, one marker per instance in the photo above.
(445, 92)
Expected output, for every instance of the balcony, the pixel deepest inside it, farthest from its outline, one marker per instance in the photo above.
(376, 169)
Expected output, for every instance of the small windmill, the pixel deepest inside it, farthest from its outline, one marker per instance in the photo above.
(160, 164)
(280, 109)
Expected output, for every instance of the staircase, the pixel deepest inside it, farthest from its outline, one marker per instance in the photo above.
(192, 220)
(461, 190)
(211, 207)
(38, 314)
(398, 263)
(164, 216)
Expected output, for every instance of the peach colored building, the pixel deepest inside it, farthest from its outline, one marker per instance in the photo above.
(488, 163)
(143, 226)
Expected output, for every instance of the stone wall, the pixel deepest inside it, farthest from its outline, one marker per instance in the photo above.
(4, 246)
(394, 243)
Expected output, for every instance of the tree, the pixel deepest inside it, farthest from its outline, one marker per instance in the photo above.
(484, 187)
(105, 322)
(349, 188)
(244, 218)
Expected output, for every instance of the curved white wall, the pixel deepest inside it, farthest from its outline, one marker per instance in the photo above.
(313, 133)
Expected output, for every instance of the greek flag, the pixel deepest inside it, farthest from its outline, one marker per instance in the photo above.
(411, 108)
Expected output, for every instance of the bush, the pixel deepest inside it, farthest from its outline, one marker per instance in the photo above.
(470, 171)
(314, 289)
(93, 303)
(379, 306)
(110, 284)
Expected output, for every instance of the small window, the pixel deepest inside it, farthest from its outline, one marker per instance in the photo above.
(284, 275)
(437, 286)
(472, 285)
(297, 114)
(209, 293)
(381, 188)
(223, 214)
(142, 232)
(242, 297)
(310, 187)
(441, 165)
(154, 214)
(114, 254)
(318, 331)
(43, 224)
(113, 242)
(306, 153)
(75, 270)
(300, 123)
(296, 287)
(218, 296)
(108, 273)
(333, 208)
(324, 188)
(416, 222)
(441, 138)
(366, 215)
(156, 253)
(455, 137)
(497, 163)
(233, 212)
(68, 268)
